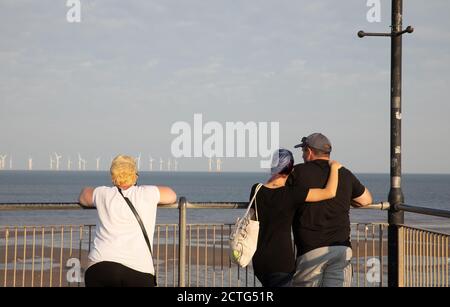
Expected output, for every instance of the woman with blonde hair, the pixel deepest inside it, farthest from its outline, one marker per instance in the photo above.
(121, 253)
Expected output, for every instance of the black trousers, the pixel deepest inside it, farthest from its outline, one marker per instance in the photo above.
(113, 274)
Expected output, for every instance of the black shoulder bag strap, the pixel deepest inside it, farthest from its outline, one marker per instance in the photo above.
(138, 218)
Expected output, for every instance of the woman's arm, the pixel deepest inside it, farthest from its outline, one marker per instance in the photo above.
(86, 198)
(331, 187)
(167, 195)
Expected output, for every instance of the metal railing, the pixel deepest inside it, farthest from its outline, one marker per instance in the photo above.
(423, 258)
(56, 256)
(423, 254)
(194, 255)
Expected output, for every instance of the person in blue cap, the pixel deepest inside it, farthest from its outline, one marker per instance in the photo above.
(276, 204)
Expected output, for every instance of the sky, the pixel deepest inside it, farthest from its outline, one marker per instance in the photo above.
(117, 81)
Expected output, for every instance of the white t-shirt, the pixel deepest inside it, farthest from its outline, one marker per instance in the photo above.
(118, 236)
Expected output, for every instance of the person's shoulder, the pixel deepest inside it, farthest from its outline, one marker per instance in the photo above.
(345, 171)
(307, 166)
(255, 185)
(299, 167)
(253, 189)
(148, 188)
(103, 188)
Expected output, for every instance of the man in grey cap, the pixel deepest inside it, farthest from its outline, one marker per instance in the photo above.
(322, 231)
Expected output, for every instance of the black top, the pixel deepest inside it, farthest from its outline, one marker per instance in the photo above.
(276, 209)
(326, 223)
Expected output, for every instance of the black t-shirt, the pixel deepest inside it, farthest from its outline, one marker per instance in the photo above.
(325, 223)
(276, 209)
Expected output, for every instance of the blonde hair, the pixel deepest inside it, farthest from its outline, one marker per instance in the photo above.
(123, 171)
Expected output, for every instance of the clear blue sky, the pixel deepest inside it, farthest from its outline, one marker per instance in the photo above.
(117, 81)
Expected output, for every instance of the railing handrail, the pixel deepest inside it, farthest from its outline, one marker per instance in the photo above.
(189, 205)
(423, 210)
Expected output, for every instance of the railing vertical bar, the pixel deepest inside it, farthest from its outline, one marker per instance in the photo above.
(229, 259)
(412, 274)
(24, 255)
(401, 255)
(80, 246)
(446, 263)
(420, 242)
(190, 255)
(434, 261)
(443, 260)
(427, 259)
(51, 256)
(69, 284)
(15, 256)
(365, 253)
(221, 254)
(424, 259)
(380, 245)
(438, 254)
(373, 242)
(440, 258)
(198, 256)
(158, 262)
(33, 252)
(61, 257)
(357, 256)
(174, 256)
(413, 260)
(6, 256)
(406, 256)
(416, 252)
(206, 256)
(182, 241)
(42, 255)
(214, 256)
(167, 254)
(71, 241)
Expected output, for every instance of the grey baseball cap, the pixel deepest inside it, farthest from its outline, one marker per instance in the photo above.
(317, 141)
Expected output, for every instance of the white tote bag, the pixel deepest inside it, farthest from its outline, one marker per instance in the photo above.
(244, 237)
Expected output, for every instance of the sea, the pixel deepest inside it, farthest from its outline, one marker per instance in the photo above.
(424, 190)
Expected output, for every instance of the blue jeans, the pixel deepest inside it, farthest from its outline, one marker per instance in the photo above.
(328, 266)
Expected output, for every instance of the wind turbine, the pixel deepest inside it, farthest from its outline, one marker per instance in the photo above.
(161, 161)
(30, 164)
(176, 165)
(51, 162)
(80, 161)
(138, 161)
(169, 162)
(98, 163)
(69, 164)
(210, 165)
(151, 163)
(2, 161)
(218, 165)
(10, 161)
(57, 160)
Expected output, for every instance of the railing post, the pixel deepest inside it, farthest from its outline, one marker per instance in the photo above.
(182, 241)
(395, 216)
